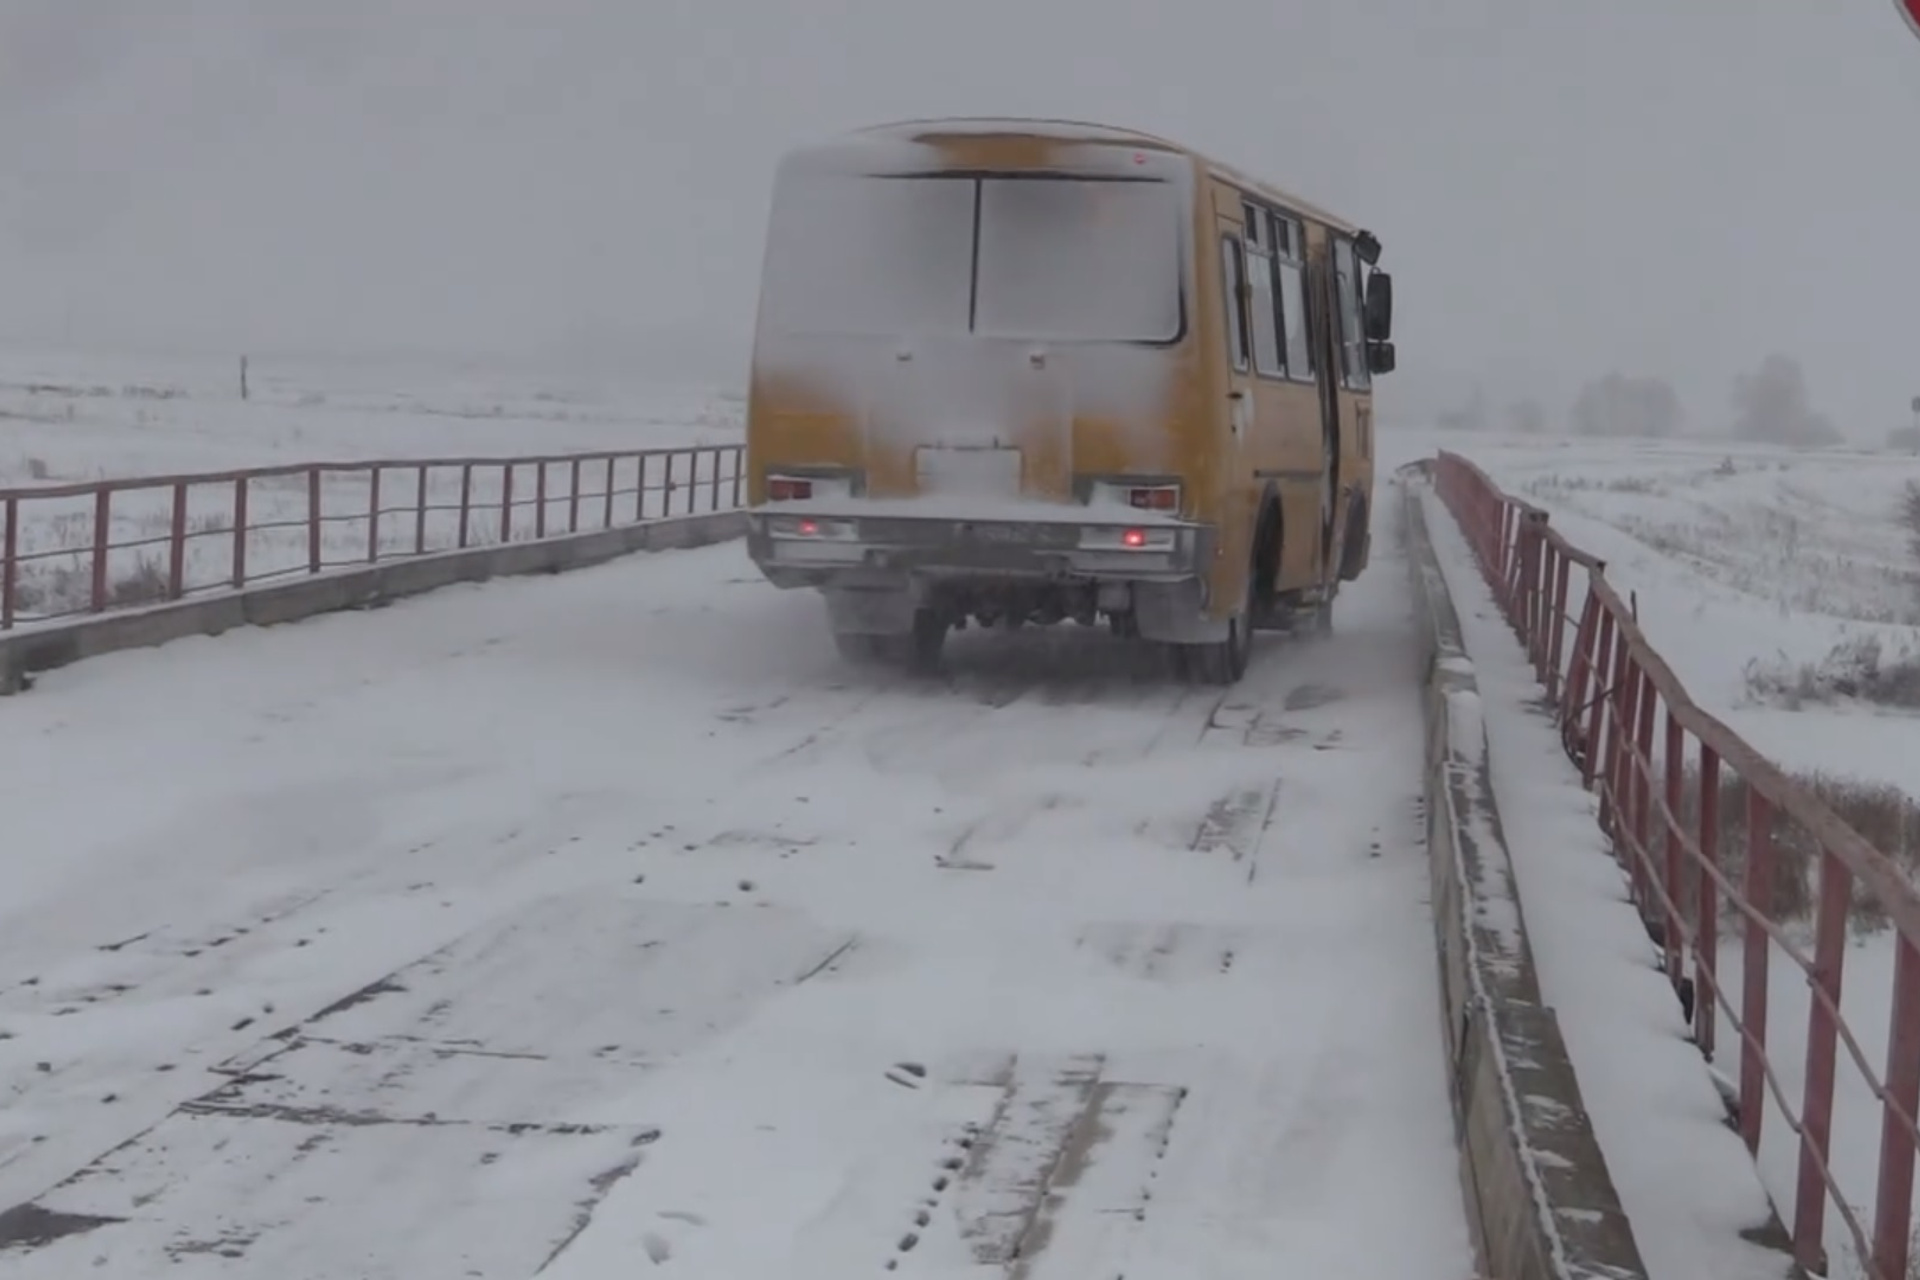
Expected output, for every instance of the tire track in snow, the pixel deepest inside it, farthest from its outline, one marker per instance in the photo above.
(1071, 1065)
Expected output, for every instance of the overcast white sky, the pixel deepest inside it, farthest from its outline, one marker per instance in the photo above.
(1670, 187)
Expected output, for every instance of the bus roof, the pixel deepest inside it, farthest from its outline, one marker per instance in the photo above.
(1091, 131)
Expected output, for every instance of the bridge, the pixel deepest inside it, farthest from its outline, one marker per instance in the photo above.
(469, 867)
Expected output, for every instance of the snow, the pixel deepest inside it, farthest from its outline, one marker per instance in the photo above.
(1738, 554)
(1684, 1179)
(1080, 261)
(1745, 557)
(68, 416)
(607, 920)
(1065, 130)
(889, 257)
(872, 307)
(75, 417)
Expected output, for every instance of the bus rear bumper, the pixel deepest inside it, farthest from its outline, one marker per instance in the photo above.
(824, 549)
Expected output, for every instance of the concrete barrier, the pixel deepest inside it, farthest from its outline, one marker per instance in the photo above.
(1539, 1197)
(41, 648)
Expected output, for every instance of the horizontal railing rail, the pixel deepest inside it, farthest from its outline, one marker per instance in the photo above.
(68, 550)
(1710, 831)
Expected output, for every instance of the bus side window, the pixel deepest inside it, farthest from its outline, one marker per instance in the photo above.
(1289, 264)
(1234, 277)
(1269, 361)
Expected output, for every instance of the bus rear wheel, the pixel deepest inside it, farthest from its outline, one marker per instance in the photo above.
(1220, 662)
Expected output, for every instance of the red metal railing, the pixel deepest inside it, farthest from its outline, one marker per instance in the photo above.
(74, 549)
(1661, 767)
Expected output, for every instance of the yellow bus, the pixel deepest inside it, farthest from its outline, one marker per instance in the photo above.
(1024, 371)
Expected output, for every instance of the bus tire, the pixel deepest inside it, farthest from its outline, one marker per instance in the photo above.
(1263, 604)
(1221, 662)
(1356, 544)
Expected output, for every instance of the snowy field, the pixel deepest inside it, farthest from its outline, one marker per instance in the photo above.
(1751, 567)
(68, 418)
(1748, 564)
(608, 920)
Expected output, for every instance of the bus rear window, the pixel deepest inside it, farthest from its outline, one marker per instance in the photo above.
(1043, 257)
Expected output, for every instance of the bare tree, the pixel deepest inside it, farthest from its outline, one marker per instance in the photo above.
(1770, 406)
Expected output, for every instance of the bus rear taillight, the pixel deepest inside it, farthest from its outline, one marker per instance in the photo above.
(1157, 497)
(788, 489)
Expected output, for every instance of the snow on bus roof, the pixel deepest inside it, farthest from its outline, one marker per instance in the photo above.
(910, 132)
(1066, 130)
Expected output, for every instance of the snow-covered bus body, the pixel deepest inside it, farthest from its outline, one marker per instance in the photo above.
(1013, 371)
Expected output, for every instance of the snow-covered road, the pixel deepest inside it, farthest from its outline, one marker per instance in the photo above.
(579, 925)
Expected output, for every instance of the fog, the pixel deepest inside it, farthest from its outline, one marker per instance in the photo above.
(1562, 189)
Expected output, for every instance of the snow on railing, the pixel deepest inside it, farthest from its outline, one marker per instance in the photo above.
(1709, 830)
(75, 549)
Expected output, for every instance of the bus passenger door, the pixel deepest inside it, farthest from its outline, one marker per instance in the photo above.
(1324, 324)
(1233, 276)
(1230, 471)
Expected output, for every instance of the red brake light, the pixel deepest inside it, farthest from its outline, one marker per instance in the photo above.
(808, 528)
(1134, 538)
(1156, 498)
(787, 489)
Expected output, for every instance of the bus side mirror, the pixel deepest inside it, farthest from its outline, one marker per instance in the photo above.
(1379, 307)
(1379, 357)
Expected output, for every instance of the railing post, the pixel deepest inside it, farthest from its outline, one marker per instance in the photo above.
(666, 494)
(239, 532)
(640, 492)
(1573, 690)
(506, 504)
(1816, 1106)
(1529, 528)
(102, 531)
(9, 560)
(739, 472)
(466, 501)
(1645, 873)
(1558, 621)
(373, 516)
(1706, 952)
(1508, 545)
(1891, 1213)
(1673, 916)
(540, 500)
(1598, 700)
(314, 558)
(420, 510)
(1615, 813)
(713, 498)
(573, 499)
(177, 544)
(607, 518)
(1757, 888)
